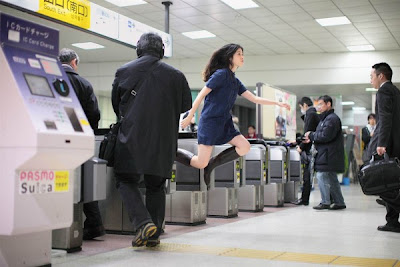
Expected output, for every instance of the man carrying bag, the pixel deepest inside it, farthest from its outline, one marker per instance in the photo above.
(386, 136)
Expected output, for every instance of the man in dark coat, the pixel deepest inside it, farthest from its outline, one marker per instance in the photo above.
(386, 138)
(147, 141)
(311, 120)
(329, 161)
(93, 226)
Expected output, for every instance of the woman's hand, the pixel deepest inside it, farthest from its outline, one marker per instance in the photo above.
(186, 121)
(284, 105)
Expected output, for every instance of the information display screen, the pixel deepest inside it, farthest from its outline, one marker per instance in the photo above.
(51, 67)
(38, 85)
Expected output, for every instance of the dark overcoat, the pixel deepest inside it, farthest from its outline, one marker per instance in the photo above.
(147, 140)
(84, 91)
(311, 120)
(387, 112)
(328, 140)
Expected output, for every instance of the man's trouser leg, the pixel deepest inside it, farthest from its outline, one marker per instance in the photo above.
(305, 195)
(336, 191)
(155, 200)
(128, 187)
(93, 216)
(324, 187)
(392, 199)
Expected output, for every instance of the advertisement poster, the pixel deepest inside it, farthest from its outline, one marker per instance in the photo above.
(280, 116)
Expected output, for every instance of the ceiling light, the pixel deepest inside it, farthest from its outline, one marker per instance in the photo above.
(240, 4)
(334, 21)
(358, 108)
(371, 90)
(198, 34)
(121, 3)
(354, 48)
(347, 103)
(345, 127)
(88, 45)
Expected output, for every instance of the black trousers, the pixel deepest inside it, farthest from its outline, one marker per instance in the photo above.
(305, 194)
(93, 216)
(139, 214)
(392, 199)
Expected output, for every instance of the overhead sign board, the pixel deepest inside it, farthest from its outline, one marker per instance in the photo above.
(94, 18)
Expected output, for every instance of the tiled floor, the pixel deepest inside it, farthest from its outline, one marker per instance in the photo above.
(289, 236)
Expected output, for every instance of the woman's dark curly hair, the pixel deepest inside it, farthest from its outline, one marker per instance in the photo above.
(222, 58)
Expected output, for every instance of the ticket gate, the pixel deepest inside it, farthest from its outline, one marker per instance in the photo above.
(274, 190)
(89, 186)
(45, 135)
(188, 205)
(223, 198)
(294, 178)
(251, 195)
(114, 214)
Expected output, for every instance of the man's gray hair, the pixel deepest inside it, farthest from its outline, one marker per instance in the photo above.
(66, 55)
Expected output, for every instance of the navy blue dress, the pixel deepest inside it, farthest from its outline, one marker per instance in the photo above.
(216, 126)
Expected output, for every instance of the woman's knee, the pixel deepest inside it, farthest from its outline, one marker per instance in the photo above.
(244, 149)
(202, 164)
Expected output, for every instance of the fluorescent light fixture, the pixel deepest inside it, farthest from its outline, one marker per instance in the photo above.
(121, 3)
(334, 21)
(355, 48)
(358, 108)
(347, 103)
(199, 34)
(88, 45)
(240, 4)
(345, 127)
(371, 90)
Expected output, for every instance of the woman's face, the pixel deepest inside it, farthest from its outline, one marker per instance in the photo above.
(238, 58)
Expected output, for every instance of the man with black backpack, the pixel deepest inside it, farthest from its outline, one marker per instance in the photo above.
(386, 135)
(148, 97)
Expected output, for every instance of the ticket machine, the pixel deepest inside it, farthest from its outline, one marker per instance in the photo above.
(44, 136)
(294, 178)
(223, 195)
(274, 190)
(251, 195)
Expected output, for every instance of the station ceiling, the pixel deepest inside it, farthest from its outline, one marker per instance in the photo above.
(276, 27)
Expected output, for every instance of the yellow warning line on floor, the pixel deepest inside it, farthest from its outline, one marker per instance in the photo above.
(276, 255)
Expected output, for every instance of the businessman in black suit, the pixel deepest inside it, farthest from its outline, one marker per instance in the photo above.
(386, 136)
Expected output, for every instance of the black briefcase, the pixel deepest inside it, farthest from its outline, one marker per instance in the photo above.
(380, 176)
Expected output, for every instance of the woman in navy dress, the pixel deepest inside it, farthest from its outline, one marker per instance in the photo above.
(216, 126)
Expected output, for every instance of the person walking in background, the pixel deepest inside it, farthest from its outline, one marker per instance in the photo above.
(328, 139)
(216, 125)
(144, 147)
(93, 225)
(311, 120)
(366, 133)
(386, 135)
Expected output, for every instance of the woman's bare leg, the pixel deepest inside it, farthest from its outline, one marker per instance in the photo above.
(201, 160)
(241, 144)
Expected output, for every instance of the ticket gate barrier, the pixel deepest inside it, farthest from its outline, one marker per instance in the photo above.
(45, 135)
(114, 215)
(295, 176)
(90, 185)
(188, 205)
(223, 198)
(251, 195)
(274, 190)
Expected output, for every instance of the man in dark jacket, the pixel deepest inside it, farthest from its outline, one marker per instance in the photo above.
(366, 133)
(93, 226)
(311, 120)
(329, 161)
(147, 141)
(386, 138)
